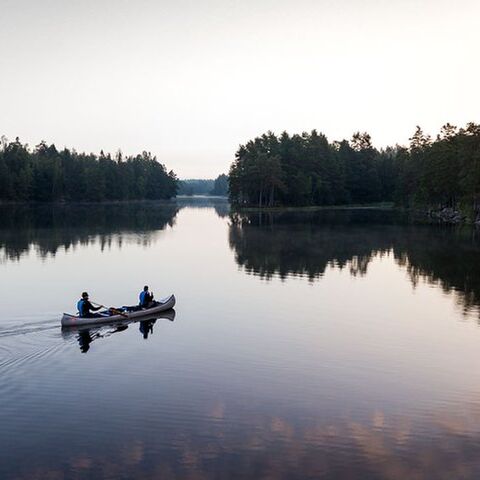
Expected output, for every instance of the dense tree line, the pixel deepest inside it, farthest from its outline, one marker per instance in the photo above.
(307, 169)
(193, 186)
(46, 174)
(444, 172)
(217, 187)
(220, 186)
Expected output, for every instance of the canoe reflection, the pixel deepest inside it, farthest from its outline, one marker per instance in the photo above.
(86, 335)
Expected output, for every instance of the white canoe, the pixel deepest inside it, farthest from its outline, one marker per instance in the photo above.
(68, 331)
(161, 305)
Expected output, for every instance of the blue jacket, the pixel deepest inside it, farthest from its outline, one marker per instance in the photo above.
(84, 307)
(81, 307)
(144, 298)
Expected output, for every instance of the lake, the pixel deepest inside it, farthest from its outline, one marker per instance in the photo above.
(333, 344)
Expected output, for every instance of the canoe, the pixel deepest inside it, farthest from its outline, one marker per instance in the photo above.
(167, 303)
(68, 331)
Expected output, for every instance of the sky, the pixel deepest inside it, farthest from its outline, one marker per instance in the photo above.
(190, 81)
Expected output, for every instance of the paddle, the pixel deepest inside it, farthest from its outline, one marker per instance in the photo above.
(113, 310)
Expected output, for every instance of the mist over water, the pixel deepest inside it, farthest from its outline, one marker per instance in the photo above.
(317, 344)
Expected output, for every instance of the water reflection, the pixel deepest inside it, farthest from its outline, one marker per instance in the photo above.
(47, 228)
(276, 447)
(219, 204)
(87, 334)
(146, 328)
(307, 243)
(252, 383)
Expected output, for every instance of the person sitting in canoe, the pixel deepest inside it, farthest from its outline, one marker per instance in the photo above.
(146, 298)
(85, 308)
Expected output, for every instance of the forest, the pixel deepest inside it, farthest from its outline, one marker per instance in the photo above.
(220, 186)
(217, 187)
(307, 169)
(45, 174)
(194, 186)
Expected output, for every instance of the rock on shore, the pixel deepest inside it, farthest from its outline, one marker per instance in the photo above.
(448, 215)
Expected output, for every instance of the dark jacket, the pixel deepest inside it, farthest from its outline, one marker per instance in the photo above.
(85, 307)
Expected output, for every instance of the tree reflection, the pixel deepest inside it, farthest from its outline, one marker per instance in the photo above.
(47, 228)
(307, 243)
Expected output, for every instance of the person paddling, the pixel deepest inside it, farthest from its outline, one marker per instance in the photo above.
(146, 297)
(85, 308)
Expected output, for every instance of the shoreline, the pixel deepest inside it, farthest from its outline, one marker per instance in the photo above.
(442, 216)
(312, 208)
(109, 202)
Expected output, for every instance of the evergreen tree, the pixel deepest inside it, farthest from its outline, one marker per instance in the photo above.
(46, 175)
(308, 170)
(220, 186)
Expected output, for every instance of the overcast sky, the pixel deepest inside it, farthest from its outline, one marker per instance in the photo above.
(191, 80)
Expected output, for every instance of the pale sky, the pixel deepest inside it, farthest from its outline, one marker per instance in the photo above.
(191, 80)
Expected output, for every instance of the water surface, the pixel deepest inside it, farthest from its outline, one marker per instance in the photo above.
(336, 344)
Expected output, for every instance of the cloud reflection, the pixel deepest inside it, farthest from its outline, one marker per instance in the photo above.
(443, 445)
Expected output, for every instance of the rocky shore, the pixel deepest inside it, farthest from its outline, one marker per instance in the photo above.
(451, 216)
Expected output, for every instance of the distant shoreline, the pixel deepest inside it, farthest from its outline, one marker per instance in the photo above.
(86, 202)
(203, 197)
(111, 202)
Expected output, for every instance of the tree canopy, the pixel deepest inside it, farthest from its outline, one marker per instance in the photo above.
(220, 186)
(307, 169)
(217, 187)
(194, 186)
(46, 174)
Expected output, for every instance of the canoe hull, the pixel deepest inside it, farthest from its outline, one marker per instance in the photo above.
(69, 331)
(164, 304)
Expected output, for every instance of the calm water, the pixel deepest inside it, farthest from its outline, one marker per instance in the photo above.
(337, 344)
